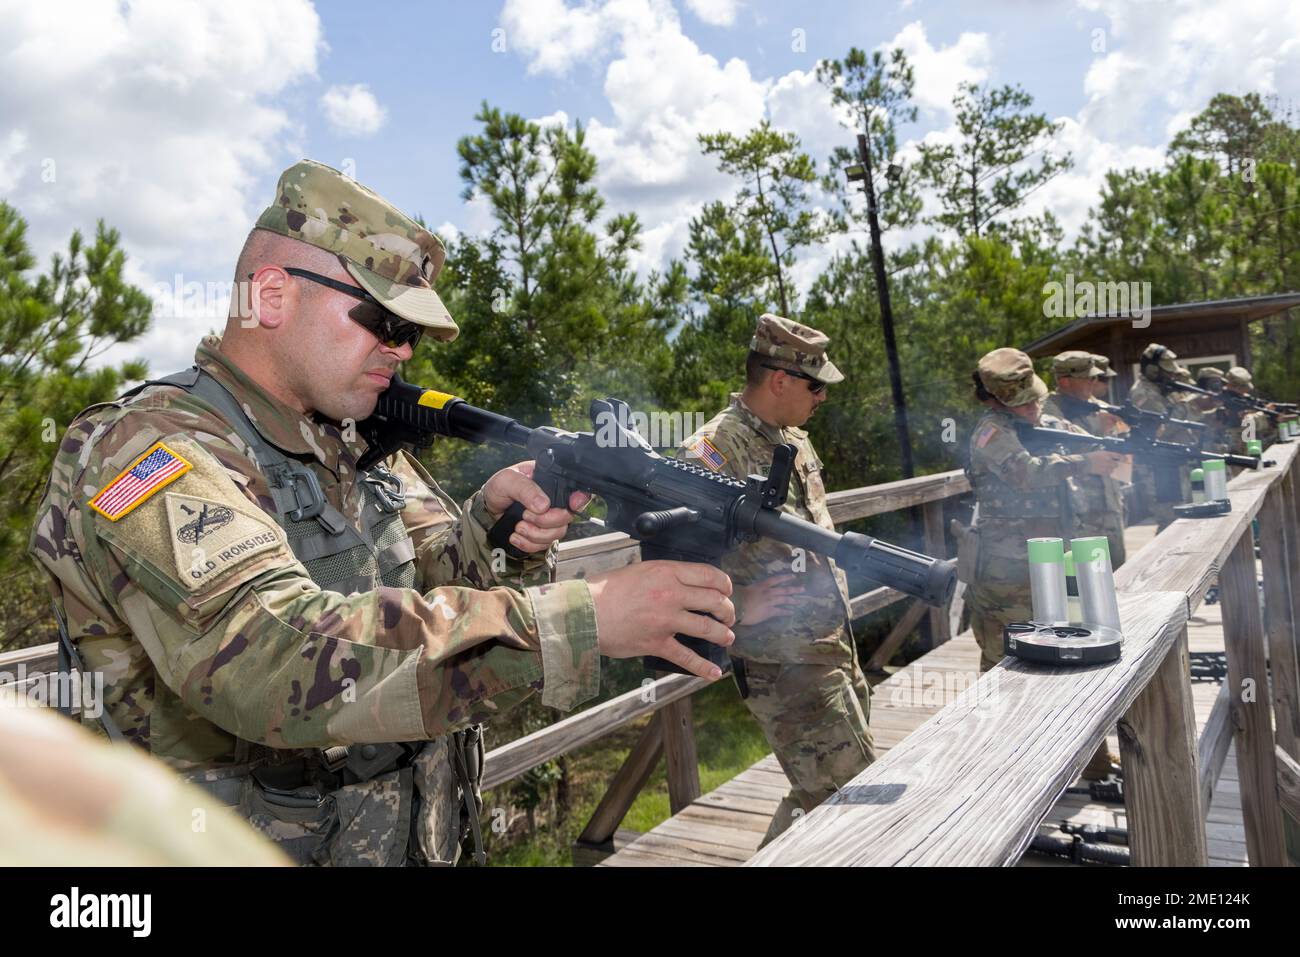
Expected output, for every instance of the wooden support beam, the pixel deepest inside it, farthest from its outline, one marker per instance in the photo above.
(625, 785)
(905, 626)
(683, 765)
(1243, 639)
(1157, 739)
(1212, 749)
(1288, 783)
(937, 546)
(1277, 530)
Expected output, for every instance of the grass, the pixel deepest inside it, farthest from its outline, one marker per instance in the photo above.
(727, 741)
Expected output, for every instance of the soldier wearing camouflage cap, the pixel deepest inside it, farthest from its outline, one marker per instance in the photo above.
(1258, 426)
(1020, 496)
(311, 641)
(1100, 509)
(795, 658)
(1155, 392)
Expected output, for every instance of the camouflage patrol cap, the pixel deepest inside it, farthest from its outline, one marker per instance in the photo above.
(796, 345)
(1208, 373)
(1008, 375)
(1183, 374)
(1076, 365)
(1166, 359)
(1241, 378)
(1103, 363)
(391, 256)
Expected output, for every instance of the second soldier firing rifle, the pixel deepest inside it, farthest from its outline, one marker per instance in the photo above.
(1241, 403)
(675, 509)
(1165, 458)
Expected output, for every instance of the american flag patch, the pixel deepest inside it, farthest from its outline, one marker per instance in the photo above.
(982, 437)
(157, 467)
(706, 452)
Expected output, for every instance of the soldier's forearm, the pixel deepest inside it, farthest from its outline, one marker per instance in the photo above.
(461, 554)
(289, 665)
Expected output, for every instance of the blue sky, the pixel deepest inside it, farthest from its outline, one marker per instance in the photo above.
(172, 119)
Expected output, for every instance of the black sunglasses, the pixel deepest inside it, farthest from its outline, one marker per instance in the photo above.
(390, 329)
(815, 386)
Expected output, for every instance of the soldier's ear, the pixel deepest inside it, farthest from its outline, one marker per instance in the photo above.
(270, 296)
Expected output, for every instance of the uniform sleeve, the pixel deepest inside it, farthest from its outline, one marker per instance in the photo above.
(999, 450)
(236, 628)
(451, 544)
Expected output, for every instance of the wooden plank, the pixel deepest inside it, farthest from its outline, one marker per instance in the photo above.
(970, 787)
(1288, 783)
(1212, 748)
(626, 784)
(851, 504)
(680, 758)
(510, 760)
(1276, 526)
(874, 600)
(1157, 739)
(937, 546)
(904, 627)
(43, 658)
(1251, 714)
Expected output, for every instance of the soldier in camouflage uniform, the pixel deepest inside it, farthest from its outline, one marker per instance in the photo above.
(1222, 425)
(1257, 425)
(1154, 392)
(1100, 508)
(1101, 384)
(794, 650)
(1020, 496)
(310, 640)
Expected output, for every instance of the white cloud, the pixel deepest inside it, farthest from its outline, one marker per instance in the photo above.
(718, 13)
(352, 110)
(1169, 59)
(157, 116)
(940, 70)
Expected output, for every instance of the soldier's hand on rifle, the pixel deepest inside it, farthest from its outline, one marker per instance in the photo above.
(639, 608)
(542, 524)
(777, 595)
(1103, 463)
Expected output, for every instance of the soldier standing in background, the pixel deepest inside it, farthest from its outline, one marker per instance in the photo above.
(1100, 508)
(794, 656)
(1154, 392)
(1020, 495)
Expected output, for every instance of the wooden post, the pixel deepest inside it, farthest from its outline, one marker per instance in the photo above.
(936, 545)
(1276, 529)
(1157, 741)
(627, 783)
(683, 765)
(885, 650)
(1243, 639)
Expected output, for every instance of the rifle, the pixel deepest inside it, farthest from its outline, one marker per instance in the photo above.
(1162, 456)
(675, 509)
(1144, 419)
(1241, 403)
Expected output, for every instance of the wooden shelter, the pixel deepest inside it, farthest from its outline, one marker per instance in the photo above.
(1200, 333)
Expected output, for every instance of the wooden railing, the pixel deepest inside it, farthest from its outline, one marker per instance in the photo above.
(972, 784)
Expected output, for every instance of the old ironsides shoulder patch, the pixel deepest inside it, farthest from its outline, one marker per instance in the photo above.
(209, 539)
(157, 467)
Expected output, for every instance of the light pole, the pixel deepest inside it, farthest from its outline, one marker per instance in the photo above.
(861, 173)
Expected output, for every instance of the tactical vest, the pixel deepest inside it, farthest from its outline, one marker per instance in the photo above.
(342, 559)
(999, 499)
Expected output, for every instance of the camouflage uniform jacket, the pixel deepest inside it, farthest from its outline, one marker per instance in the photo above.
(1020, 495)
(738, 443)
(204, 653)
(1147, 395)
(1098, 494)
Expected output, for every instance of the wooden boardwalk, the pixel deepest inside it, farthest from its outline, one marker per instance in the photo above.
(723, 828)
